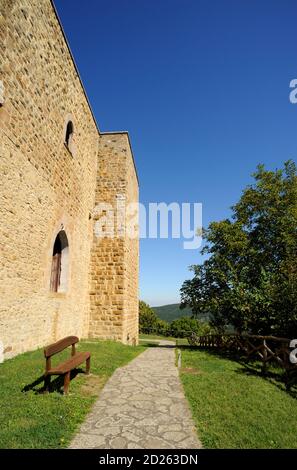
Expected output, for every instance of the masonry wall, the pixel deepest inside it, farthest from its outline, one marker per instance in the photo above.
(131, 262)
(114, 259)
(43, 186)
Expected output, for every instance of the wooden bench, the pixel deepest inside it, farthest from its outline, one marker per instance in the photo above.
(64, 368)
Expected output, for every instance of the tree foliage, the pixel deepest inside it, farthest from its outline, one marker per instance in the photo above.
(249, 279)
(148, 320)
(150, 323)
(183, 327)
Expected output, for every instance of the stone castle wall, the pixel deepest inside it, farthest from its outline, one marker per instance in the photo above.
(114, 262)
(131, 261)
(44, 187)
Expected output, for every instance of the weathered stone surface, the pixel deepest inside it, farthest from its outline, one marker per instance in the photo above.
(44, 187)
(132, 425)
(114, 304)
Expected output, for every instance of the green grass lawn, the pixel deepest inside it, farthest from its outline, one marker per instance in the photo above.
(30, 419)
(178, 341)
(153, 337)
(234, 407)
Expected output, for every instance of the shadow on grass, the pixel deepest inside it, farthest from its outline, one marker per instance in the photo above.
(273, 374)
(151, 344)
(56, 384)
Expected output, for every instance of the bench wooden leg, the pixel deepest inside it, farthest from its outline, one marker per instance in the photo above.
(88, 364)
(47, 381)
(66, 382)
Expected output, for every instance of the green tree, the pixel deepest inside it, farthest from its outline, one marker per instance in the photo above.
(148, 320)
(249, 279)
(184, 326)
(162, 327)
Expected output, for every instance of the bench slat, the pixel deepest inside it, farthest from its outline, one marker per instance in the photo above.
(60, 345)
(70, 364)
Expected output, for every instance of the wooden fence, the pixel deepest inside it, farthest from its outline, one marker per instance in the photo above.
(267, 349)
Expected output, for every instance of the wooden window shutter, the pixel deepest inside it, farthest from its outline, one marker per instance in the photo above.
(56, 272)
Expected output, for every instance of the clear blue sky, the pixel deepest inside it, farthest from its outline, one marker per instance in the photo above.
(203, 88)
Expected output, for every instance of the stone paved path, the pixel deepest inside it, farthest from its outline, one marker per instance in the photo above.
(141, 406)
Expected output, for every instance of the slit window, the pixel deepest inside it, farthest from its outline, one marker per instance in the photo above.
(69, 134)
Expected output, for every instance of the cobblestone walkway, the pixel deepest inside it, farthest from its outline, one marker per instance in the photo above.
(142, 406)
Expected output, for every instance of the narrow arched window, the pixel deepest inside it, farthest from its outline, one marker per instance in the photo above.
(60, 263)
(69, 134)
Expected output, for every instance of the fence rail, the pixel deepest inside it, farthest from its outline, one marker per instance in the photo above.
(267, 349)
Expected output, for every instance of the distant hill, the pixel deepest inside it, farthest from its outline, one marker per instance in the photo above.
(173, 312)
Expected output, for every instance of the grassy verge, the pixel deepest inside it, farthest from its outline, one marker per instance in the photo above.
(155, 337)
(177, 341)
(31, 419)
(234, 407)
